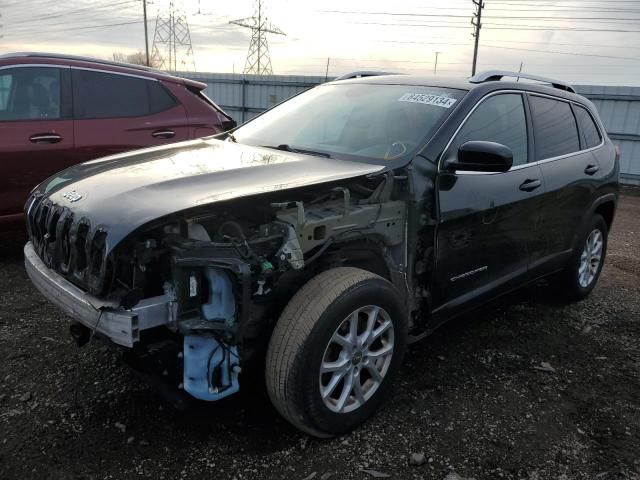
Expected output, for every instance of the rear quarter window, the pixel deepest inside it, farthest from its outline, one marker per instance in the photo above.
(590, 131)
(159, 99)
(555, 128)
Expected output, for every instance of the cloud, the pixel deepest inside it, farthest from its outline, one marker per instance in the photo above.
(549, 46)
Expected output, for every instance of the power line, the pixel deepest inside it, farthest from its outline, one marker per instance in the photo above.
(556, 29)
(66, 13)
(564, 53)
(608, 45)
(40, 28)
(435, 25)
(90, 27)
(502, 17)
(508, 2)
(505, 27)
(438, 41)
(354, 12)
(565, 9)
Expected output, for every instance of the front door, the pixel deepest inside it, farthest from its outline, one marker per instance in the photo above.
(36, 132)
(487, 220)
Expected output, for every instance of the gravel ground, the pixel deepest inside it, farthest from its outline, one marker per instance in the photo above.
(470, 399)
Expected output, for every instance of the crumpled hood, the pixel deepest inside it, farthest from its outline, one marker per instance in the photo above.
(123, 192)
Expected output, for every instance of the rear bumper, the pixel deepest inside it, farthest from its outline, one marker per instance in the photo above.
(107, 318)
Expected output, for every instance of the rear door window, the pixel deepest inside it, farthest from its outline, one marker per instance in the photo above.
(555, 128)
(30, 93)
(590, 131)
(499, 119)
(107, 95)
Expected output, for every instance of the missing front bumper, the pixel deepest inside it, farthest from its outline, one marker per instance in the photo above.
(121, 326)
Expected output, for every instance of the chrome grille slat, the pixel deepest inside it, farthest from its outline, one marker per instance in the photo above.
(68, 244)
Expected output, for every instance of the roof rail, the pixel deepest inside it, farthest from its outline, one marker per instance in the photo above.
(363, 73)
(79, 58)
(495, 75)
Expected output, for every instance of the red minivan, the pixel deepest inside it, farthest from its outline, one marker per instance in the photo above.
(58, 110)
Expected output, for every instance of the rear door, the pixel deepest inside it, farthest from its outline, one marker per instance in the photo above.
(570, 172)
(36, 130)
(116, 112)
(488, 221)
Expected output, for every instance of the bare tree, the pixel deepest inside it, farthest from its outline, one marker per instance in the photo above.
(136, 58)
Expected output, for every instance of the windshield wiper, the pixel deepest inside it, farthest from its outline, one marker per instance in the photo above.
(288, 148)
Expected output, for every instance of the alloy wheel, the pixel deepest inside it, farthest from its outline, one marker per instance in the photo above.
(356, 359)
(590, 258)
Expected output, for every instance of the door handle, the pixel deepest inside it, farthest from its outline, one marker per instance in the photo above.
(163, 134)
(530, 185)
(591, 169)
(45, 138)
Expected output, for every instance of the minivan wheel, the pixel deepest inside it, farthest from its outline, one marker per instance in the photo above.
(336, 350)
(583, 270)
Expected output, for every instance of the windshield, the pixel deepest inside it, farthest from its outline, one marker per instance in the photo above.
(360, 121)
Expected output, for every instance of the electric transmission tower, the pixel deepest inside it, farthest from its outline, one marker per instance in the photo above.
(258, 58)
(172, 49)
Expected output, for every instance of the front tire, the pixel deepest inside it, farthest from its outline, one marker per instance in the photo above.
(581, 274)
(336, 350)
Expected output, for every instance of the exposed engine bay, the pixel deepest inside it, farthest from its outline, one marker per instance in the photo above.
(225, 275)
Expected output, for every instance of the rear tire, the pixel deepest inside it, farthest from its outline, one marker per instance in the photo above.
(581, 274)
(313, 348)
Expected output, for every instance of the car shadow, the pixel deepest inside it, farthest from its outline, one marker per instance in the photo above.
(11, 247)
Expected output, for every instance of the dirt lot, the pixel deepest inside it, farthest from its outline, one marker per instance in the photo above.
(469, 397)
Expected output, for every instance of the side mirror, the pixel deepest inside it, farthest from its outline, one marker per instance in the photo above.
(480, 156)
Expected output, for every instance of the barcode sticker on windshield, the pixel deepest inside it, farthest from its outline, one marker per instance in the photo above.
(428, 99)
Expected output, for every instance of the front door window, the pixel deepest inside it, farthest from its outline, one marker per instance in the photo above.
(29, 93)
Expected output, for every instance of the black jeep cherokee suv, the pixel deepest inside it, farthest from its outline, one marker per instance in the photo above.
(320, 238)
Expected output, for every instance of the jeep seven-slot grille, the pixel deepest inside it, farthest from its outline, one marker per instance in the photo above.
(68, 244)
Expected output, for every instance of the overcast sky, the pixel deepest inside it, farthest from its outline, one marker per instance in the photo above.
(583, 42)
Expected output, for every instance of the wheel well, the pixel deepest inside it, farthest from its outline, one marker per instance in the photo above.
(365, 255)
(606, 209)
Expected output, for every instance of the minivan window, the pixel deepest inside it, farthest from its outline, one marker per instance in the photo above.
(499, 119)
(555, 128)
(159, 99)
(30, 93)
(591, 133)
(107, 95)
(5, 88)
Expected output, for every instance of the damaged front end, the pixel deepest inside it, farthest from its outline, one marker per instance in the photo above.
(203, 289)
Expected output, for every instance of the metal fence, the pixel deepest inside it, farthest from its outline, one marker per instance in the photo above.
(245, 96)
(619, 108)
